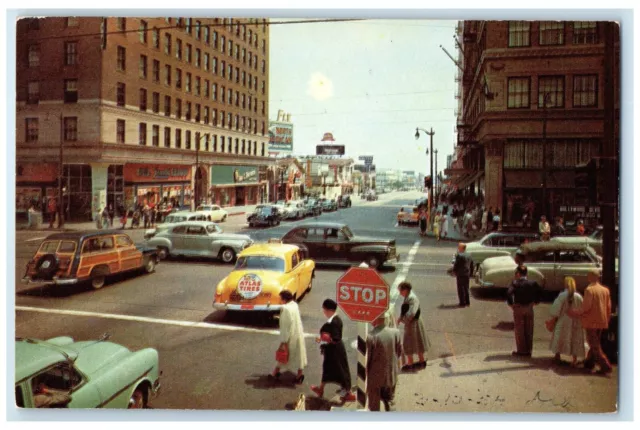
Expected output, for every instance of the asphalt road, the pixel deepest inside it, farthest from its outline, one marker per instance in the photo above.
(212, 360)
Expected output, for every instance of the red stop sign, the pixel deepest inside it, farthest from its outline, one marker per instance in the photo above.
(362, 294)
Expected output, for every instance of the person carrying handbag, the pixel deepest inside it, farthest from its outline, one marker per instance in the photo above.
(568, 335)
(292, 352)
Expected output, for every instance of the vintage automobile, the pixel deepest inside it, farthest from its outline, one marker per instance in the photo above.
(261, 273)
(344, 201)
(594, 240)
(79, 256)
(313, 207)
(217, 213)
(264, 215)
(408, 215)
(88, 374)
(294, 210)
(178, 217)
(199, 239)
(372, 196)
(329, 205)
(498, 244)
(332, 242)
(548, 263)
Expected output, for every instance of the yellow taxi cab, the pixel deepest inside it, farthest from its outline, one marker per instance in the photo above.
(261, 272)
(408, 215)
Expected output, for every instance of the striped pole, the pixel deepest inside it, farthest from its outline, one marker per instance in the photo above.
(363, 329)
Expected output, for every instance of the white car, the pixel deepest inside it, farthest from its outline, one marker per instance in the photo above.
(294, 210)
(217, 213)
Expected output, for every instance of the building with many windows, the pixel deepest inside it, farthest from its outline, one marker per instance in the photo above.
(526, 89)
(145, 109)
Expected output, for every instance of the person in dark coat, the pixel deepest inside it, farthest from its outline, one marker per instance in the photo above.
(335, 367)
(384, 348)
(462, 269)
(522, 295)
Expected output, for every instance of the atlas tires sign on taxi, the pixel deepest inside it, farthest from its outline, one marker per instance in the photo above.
(250, 286)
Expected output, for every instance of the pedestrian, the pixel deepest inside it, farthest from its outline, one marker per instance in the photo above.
(489, 219)
(462, 269)
(146, 213)
(415, 339)
(384, 349)
(437, 220)
(544, 229)
(292, 350)
(496, 220)
(483, 221)
(335, 366)
(467, 223)
(445, 224)
(111, 213)
(52, 210)
(31, 214)
(153, 214)
(580, 228)
(558, 228)
(105, 218)
(522, 295)
(568, 335)
(123, 219)
(422, 218)
(595, 314)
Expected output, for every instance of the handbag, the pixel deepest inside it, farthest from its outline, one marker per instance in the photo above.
(282, 354)
(551, 324)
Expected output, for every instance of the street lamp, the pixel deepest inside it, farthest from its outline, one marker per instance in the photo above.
(430, 133)
(545, 100)
(436, 181)
(198, 177)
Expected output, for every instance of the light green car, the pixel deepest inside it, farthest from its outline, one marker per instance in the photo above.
(90, 374)
(548, 264)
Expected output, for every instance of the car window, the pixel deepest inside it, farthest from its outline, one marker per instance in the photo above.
(509, 241)
(573, 257)
(216, 208)
(212, 228)
(347, 232)
(106, 242)
(541, 257)
(260, 262)
(91, 245)
(295, 259)
(195, 230)
(182, 229)
(49, 246)
(335, 234)
(67, 246)
(19, 397)
(315, 233)
(60, 377)
(123, 241)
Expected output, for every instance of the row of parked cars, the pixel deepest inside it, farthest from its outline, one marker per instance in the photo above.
(273, 214)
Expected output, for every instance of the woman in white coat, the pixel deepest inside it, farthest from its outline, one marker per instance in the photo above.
(568, 335)
(291, 338)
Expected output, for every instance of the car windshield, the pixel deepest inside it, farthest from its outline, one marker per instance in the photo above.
(260, 262)
(311, 202)
(265, 210)
(175, 218)
(212, 228)
(49, 246)
(347, 232)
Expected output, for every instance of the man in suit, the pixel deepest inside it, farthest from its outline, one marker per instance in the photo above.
(522, 295)
(384, 349)
(462, 269)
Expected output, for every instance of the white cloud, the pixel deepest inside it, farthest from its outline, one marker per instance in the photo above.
(320, 87)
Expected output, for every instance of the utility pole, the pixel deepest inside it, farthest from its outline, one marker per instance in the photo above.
(435, 181)
(544, 156)
(431, 133)
(61, 175)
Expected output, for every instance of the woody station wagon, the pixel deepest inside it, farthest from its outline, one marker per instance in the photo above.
(74, 257)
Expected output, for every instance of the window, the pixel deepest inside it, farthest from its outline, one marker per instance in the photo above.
(229, 120)
(244, 78)
(142, 31)
(197, 86)
(214, 143)
(156, 71)
(70, 126)
(197, 112)
(237, 146)
(223, 44)
(243, 146)
(179, 79)
(167, 75)
(214, 116)
(585, 32)
(263, 87)
(205, 89)
(585, 91)
(250, 59)
(155, 135)
(33, 92)
(187, 111)
(230, 96)
(264, 46)
(167, 43)
(230, 72)
(143, 66)
(187, 139)
(230, 48)
(229, 145)
(197, 58)
(244, 102)
(523, 154)
(71, 54)
(262, 151)
(519, 33)
(205, 116)
(222, 94)
(255, 82)
(123, 241)
(142, 134)
(237, 75)
(198, 26)
(187, 53)
(236, 52)
(205, 32)
(562, 153)
(178, 138)
(120, 128)
(120, 94)
(179, 49)
(236, 98)
(263, 66)
(518, 93)
(551, 33)
(255, 36)
(221, 143)
(70, 90)
(143, 99)
(167, 106)
(187, 83)
(197, 141)
(214, 65)
(554, 87)
(32, 127)
(155, 38)
(237, 122)
(215, 39)
(178, 108)
(223, 69)
(223, 118)
(34, 55)
(250, 35)
(263, 107)
(167, 137)
(263, 129)
(155, 101)
(121, 59)
(214, 92)
(188, 25)
(121, 24)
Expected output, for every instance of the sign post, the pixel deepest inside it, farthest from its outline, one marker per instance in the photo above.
(363, 295)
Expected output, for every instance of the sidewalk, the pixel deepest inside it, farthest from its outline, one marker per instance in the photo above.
(499, 382)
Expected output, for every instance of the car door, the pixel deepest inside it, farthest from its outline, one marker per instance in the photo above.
(576, 264)
(315, 243)
(336, 245)
(178, 238)
(545, 263)
(217, 213)
(63, 378)
(296, 274)
(196, 240)
(130, 256)
(110, 255)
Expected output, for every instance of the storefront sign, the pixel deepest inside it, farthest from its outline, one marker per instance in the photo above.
(156, 173)
(40, 172)
(329, 149)
(222, 175)
(581, 211)
(280, 137)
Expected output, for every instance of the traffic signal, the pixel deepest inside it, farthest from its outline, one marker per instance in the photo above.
(428, 182)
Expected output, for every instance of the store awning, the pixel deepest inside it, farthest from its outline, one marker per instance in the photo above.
(468, 179)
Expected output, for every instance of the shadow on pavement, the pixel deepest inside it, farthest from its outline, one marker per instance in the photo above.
(263, 382)
(504, 326)
(243, 319)
(443, 306)
(314, 404)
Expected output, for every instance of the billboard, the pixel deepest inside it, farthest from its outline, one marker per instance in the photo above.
(329, 149)
(280, 136)
(368, 159)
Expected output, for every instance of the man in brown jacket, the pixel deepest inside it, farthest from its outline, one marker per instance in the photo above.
(595, 314)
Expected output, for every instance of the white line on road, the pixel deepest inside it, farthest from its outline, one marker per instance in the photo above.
(188, 324)
(35, 238)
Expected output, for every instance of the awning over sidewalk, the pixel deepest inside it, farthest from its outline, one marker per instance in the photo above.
(468, 179)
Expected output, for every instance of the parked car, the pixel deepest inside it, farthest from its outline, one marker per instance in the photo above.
(178, 217)
(344, 201)
(498, 244)
(313, 207)
(217, 213)
(548, 263)
(85, 374)
(333, 242)
(199, 239)
(260, 274)
(408, 215)
(87, 256)
(294, 210)
(594, 240)
(329, 205)
(264, 215)
(372, 196)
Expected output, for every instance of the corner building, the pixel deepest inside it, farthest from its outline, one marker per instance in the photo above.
(509, 69)
(145, 109)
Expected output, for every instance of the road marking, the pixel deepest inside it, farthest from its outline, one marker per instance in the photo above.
(188, 324)
(453, 352)
(35, 238)
(403, 273)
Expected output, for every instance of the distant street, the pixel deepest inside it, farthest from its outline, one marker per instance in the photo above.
(212, 360)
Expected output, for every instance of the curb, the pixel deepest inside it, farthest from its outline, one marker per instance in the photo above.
(236, 213)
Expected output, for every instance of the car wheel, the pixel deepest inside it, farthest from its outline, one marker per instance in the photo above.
(373, 262)
(310, 286)
(163, 252)
(227, 255)
(224, 218)
(97, 280)
(138, 399)
(149, 264)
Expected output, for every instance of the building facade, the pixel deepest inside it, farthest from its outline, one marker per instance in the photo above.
(145, 110)
(531, 109)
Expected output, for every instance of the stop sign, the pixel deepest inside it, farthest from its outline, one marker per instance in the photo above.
(362, 294)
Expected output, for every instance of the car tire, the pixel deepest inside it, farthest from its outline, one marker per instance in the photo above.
(163, 253)
(149, 264)
(138, 399)
(47, 266)
(224, 218)
(227, 255)
(98, 278)
(374, 262)
(310, 286)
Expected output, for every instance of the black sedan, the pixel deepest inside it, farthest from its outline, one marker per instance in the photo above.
(264, 215)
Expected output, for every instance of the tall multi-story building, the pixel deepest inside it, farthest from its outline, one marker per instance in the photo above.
(529, 88)
(144, 109)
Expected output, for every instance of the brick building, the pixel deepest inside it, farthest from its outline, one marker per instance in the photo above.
(524, 86)
(146, 109)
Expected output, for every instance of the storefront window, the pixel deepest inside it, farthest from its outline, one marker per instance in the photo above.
(251, 194)
(224, 197)
(77, 192)
(148, 195)
(25, 196)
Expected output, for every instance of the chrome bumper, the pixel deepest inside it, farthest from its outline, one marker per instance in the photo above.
(54, 281)
(482, 283)
(246, 307)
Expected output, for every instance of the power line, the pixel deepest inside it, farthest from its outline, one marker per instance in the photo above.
(377, 95)
(374, 111)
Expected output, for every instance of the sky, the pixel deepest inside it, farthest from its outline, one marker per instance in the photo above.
(370, 83)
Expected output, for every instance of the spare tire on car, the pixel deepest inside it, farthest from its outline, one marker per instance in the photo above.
(47, 266)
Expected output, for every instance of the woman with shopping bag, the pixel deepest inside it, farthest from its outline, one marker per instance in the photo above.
(568, 335)
(291, 353)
